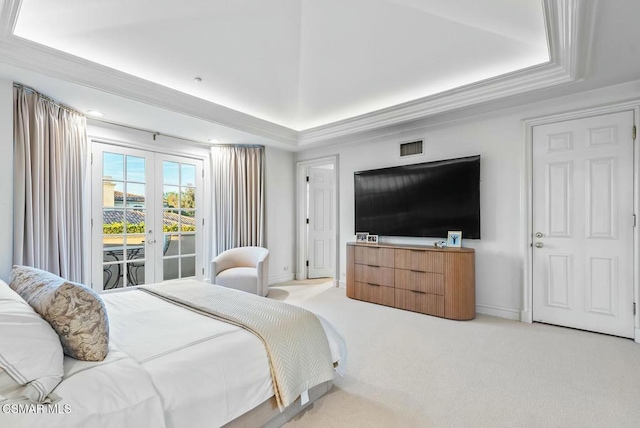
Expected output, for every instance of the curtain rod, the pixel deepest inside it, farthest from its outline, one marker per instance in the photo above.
(46, 98)
(155, 134)
(248, 146)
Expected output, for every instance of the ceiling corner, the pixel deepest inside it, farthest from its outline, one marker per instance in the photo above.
(569, 26)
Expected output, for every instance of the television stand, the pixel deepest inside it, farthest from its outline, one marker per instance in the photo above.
(429, 280)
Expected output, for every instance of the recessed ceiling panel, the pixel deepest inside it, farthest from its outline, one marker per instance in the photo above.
(297, 63)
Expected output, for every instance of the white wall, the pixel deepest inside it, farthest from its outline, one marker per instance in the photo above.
(499, 137)
(280, 216)
(6, 176)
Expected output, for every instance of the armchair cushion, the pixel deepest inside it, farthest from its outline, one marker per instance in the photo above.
(241, 278)
(242, 268)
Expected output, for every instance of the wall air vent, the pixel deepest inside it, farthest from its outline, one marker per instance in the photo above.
(411, 148)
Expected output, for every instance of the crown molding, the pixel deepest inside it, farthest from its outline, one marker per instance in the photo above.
(569, 25)
(32, 56)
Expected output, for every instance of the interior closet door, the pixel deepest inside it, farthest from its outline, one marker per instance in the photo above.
(321, 228)
(583, 224)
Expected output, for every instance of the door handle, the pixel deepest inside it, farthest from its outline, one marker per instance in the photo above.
(539, 245)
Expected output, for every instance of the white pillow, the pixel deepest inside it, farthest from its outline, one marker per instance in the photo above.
(30, 350)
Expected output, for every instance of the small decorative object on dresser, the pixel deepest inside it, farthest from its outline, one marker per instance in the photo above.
(361, 236)
(440, 244)
(372, 239)
(454, 239)
(433, 281)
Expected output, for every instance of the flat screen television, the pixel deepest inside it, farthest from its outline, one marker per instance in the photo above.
(423, 200)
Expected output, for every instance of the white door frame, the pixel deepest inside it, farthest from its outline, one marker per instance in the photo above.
(301, 223)
(526, 314)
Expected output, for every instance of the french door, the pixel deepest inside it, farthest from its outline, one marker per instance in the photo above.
(146, 217)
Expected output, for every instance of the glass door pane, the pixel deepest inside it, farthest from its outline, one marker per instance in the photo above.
(120, 216)
(179, 218)
(123, 219)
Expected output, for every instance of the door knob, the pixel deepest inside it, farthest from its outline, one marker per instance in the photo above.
(539, 235)
(539, 245)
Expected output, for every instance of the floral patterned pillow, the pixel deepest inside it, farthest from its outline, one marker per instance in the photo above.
(74, 311)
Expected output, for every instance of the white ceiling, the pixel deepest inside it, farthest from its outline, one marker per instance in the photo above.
(305, 63)
(298, 64)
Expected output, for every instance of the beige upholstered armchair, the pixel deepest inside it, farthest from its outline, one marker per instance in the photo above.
(242, 268)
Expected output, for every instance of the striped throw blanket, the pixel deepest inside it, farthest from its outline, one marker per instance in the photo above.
(296, 344)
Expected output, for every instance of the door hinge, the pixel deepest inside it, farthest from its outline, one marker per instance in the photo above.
(633, 133)
(634, 308)
(203, 222)
(307, 178)
(634, 220)
(307, 263)
(91, 158)
(203, 173)
(203, 271)
(307, 221)
(91, 222)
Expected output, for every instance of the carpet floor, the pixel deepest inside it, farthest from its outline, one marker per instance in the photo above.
(411, 370)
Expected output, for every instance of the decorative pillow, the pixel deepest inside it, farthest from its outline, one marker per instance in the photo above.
(74, 311)
(31, 359)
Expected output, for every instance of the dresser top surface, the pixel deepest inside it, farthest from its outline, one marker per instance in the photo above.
(413, 247)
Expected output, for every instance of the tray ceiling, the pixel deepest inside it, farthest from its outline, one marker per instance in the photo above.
(298, 64)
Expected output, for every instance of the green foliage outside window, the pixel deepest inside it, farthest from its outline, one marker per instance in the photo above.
(118, 228)
(174, 228)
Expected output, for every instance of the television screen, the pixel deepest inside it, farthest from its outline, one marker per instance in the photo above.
(423, 200)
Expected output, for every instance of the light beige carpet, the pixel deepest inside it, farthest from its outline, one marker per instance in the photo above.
(412, 370)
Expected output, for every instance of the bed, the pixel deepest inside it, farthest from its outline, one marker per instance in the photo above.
(168, 366)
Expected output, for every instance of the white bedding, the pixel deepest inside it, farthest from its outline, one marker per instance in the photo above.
(167, 366)
(94, 395)
(207, 372)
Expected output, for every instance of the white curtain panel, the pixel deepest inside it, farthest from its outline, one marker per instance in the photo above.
(238, 180)
(50, 152)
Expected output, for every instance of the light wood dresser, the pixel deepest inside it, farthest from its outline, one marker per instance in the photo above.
(433, 281)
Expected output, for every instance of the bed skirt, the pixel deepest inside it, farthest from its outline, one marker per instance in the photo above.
(267, 414)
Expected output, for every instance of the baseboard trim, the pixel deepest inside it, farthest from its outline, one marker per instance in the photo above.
(281, 278)
(340, 284)
(526, 316)
(496, 311)
(637, 336)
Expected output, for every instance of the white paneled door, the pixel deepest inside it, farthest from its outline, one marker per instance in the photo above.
(321, 230)
(583, 223)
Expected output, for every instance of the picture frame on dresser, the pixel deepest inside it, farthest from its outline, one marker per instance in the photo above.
(372, 239)
(362, 236)
(454, 239)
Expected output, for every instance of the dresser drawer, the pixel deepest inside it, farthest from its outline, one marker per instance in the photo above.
(426, 282)
(374, 275)
(418, 260)
(374, 293)
(374, 256)
(426, 303)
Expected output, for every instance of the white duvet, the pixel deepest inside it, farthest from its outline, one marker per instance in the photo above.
(167, 366)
